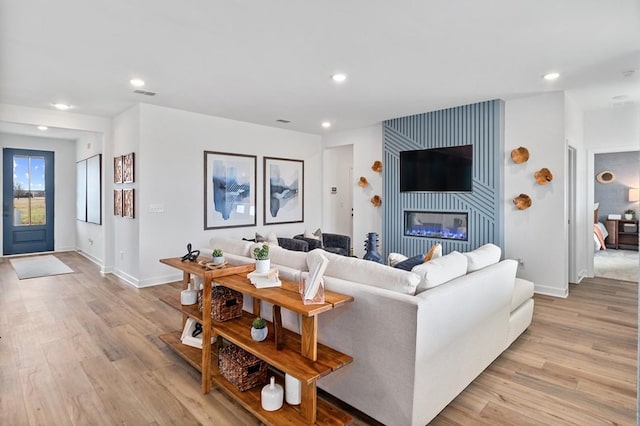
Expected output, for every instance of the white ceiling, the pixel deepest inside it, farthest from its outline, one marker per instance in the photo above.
(259, 61)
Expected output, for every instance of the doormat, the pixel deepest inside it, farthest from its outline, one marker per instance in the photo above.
(39, 266)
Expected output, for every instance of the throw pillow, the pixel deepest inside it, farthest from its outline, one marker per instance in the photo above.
(316, 235)
(408, 264)
(270, 238)
(434, 252)
(395, 258)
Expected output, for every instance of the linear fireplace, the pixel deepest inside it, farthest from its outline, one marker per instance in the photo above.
(443, 225)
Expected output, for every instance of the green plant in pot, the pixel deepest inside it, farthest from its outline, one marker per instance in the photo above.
(259, 330)
(262, 258)
(218, 256)
(629, 214)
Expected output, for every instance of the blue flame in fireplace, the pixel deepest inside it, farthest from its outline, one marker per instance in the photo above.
(432, 230)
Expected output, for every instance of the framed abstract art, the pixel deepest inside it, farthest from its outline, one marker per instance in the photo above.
(229, 190)
(283, 190)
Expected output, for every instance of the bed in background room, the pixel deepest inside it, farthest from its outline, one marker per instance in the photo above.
(599, 231)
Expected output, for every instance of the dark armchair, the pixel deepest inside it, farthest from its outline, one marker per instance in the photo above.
(293, 244)
(333, 243)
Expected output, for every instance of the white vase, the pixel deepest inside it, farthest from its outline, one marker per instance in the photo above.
(628, 216)
(271, 396)
(262, 266)
(189, 296)
(259, 334)
(218, 260)
(291, 390)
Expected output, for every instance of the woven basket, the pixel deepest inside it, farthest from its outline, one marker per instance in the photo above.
(226, 304)
(241, 368)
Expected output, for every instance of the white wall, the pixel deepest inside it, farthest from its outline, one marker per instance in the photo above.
(537, 235)
(574, 133)
(367, 145)
(614, 128)
(90, 236)
(65, 183)
(337, 173)
(126, 231)
(169, 172)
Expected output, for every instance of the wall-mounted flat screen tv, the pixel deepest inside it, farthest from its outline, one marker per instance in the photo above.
(447, 169)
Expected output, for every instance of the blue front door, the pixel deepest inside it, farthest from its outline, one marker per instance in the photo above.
(28, 186)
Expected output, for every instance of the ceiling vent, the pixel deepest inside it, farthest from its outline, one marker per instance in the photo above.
(281, 120)
(144, 92)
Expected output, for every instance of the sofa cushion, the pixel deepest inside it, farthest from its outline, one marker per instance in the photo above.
(482, 257)
(367, 272)
(237, 259)
(230, 245)
(291, 259)
(440, 270)
(522, 291)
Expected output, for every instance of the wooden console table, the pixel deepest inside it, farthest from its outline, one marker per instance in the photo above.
(299, 355)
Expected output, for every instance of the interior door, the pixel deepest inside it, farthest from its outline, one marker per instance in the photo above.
(28, 194)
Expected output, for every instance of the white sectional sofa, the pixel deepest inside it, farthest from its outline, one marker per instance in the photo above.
(417, 338)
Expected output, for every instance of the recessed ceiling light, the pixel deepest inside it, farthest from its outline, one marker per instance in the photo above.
(326, 124)
(339, 78)
(61, 107)
(43, 128)
(551, 76)
(137, 82)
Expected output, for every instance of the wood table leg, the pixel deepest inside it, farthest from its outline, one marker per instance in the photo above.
(206, 336)
(309, 401)
(186, 279)
(277, 325)
(256, 307)
(309, 337)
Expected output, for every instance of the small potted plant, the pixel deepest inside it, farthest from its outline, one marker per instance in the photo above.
(262, 258)
(218, 256)
(629, 213)
(259, 329)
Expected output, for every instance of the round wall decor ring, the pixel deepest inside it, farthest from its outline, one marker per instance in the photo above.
(605, 176)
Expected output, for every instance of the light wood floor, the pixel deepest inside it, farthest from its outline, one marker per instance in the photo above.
(82, 349)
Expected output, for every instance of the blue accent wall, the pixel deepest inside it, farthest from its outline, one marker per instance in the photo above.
(481, 125)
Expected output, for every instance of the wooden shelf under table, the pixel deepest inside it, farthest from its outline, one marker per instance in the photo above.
(298, 355)
(288, 359)
(327, 414)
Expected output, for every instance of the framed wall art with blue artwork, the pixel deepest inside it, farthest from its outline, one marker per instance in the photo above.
(229, 190)
(283, 190)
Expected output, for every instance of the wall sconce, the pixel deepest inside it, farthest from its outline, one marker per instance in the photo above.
(634, 195)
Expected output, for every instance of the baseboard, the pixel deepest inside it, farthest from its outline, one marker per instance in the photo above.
(126, 277)
(581, 275)
(91, 258)
(551, 291)
(166, 279)
(150, 282)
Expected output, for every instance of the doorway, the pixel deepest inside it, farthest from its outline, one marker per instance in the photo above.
(28, 201)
